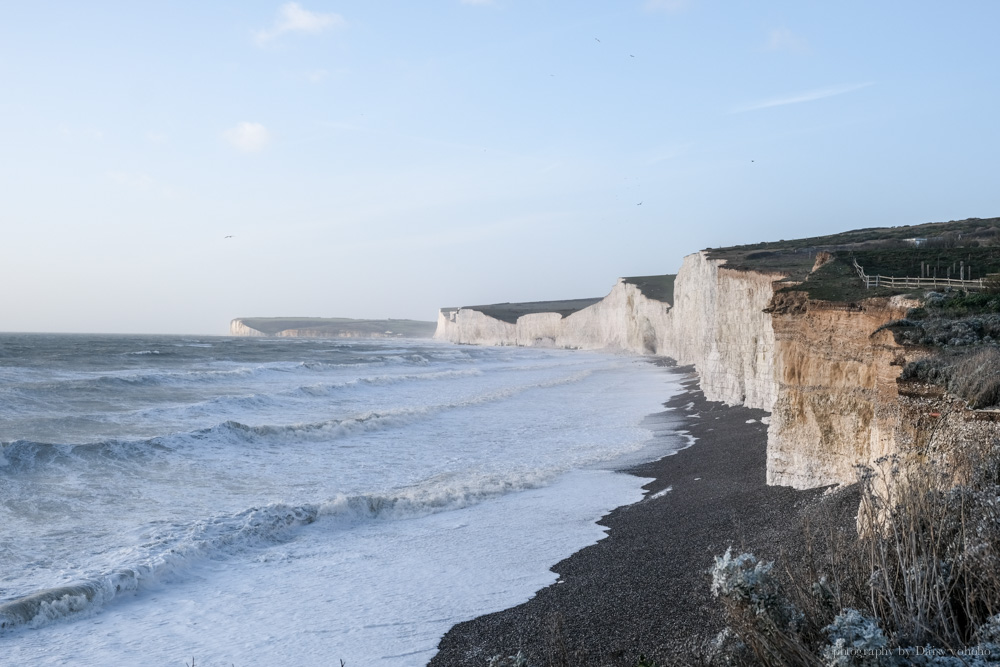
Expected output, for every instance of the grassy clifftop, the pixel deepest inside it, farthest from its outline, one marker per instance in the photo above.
(342, 326)
(941, 248)
(509, 312)
(659, 288)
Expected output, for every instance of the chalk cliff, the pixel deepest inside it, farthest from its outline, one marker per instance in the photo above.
(717, 324)
(238, 328)
(624, 320)
(829, 381)
(837, 402)
(330, 327)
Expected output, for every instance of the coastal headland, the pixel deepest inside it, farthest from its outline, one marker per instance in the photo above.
(805, 359)
(792, 328)
(328, 327)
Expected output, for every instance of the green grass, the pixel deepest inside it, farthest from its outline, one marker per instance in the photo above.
(880, 250)
(509, 312)
(900, 262)
(962, 232)
(659, 288)
(837, 281)
(334, 326)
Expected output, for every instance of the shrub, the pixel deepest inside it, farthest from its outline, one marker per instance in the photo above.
(974, 377)
(919, 584)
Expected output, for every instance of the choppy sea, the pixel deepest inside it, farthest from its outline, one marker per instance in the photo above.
(243, 501)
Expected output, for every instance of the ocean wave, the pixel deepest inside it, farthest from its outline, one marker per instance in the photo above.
(439, 494)
(154, 378)
(167, 554)
(172, 549)
(323, 389)
(21, 455)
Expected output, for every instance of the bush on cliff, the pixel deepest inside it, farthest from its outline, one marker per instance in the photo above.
(919, 585)
(973, 376)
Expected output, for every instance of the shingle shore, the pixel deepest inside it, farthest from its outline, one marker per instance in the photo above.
(645, 587)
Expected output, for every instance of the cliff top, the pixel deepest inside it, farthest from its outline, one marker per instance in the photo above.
(967, 248)
(335, 325)
(509, 312)
(658, 288)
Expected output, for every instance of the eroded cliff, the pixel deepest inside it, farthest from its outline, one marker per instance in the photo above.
(824, 371)
(837, 400)
(239, 328)
(716, 323)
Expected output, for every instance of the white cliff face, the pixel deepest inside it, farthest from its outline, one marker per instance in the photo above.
(720, 326)
(717, 324)
(237, 328)
(471, 327)
(829, 383)
(624, 320)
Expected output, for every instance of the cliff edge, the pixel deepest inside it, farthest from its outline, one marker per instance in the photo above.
(793, 328)
(329, 327)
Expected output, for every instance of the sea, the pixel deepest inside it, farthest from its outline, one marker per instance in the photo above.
(172, 500)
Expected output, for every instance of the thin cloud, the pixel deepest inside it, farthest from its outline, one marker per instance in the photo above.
(292, 17)
(248, 137)
(808, 96)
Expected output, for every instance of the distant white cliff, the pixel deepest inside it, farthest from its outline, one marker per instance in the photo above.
(716, 323)
(818, 367)
(238, 328)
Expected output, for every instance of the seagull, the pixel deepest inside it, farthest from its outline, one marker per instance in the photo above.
(597, 40)
(631, 56)
(639, 204)
(229, 237)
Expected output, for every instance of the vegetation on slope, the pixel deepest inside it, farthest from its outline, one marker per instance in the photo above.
(509, 312)
(658, 288)
(919, 584)
(887, 251)
(337, 326)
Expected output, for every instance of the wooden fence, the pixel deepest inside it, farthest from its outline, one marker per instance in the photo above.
(895, 282)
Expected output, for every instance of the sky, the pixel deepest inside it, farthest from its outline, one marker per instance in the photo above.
(167, 167)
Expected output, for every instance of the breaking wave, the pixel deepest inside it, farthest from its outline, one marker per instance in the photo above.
(180, 548)
(21, 455)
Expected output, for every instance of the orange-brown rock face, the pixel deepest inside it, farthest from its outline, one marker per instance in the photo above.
(838, 403)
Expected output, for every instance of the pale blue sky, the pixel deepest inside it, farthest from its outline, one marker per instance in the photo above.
(383, 159)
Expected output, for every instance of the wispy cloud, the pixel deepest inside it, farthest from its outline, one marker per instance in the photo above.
(783, 39)
(248, 137)
(808, 96)
(292, 17)
(669, 6)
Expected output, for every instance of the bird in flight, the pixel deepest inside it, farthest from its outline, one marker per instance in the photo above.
(229, 237)
(639, 204)
(598, 40)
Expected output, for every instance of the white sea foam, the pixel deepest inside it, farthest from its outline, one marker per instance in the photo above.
(303, 499)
